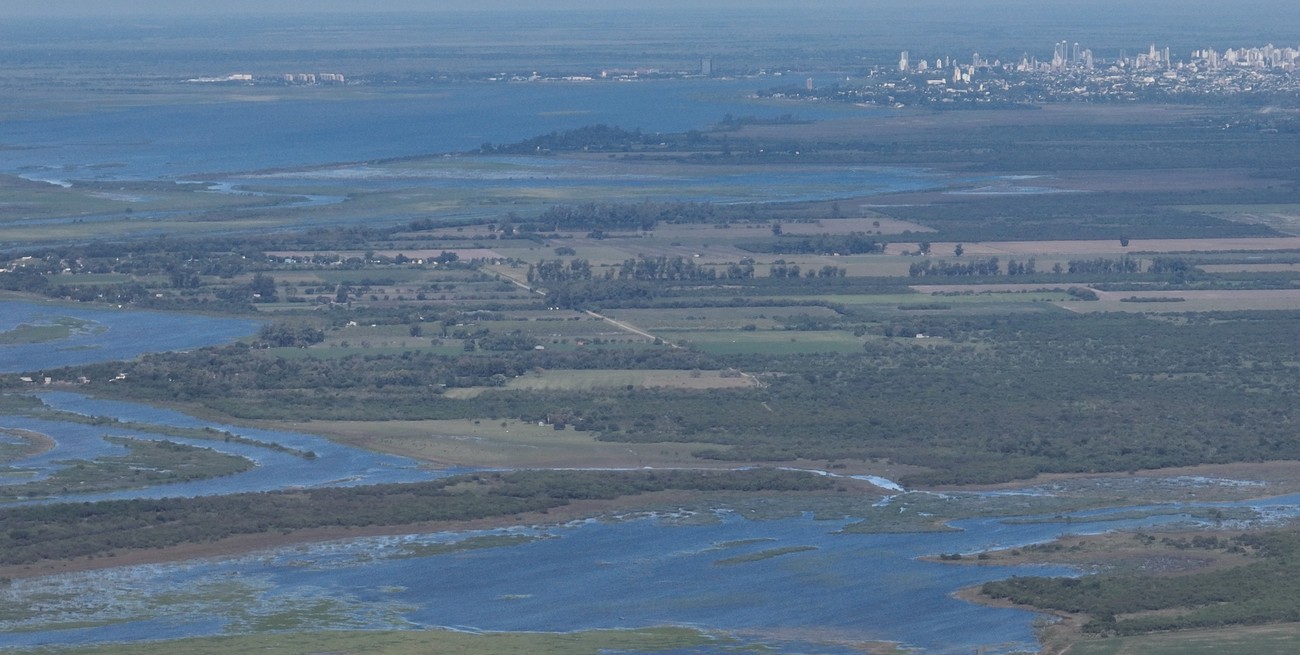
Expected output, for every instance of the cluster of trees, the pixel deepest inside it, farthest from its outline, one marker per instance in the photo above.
(642, 268)
(780, 269)
(556, 270)
(498, 341)
(854, 243)
(611, 216)
(284, 335)
(677, 268)
(260, 289)
(931, 268)
(1103, 266)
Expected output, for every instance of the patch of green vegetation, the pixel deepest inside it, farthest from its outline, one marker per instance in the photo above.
(927, 512)
(1266, 591)
(762, 555)
(741, 542)
(60, 625)
(61, 328)
(27, 333)
(13, 403)
(208, 434)
(464, 545)
(149, 463)
(1206, 513)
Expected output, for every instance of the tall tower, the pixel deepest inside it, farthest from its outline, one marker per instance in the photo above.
(902, 62)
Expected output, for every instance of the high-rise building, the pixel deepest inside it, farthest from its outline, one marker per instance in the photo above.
(902, 62)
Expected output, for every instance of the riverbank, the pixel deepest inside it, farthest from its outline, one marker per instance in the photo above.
(31, 444)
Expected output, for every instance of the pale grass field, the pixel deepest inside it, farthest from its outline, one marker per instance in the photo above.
(1194, 301)
(1249, 268)
(496, 443)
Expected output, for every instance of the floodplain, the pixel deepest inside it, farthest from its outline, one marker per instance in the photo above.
(757, 352)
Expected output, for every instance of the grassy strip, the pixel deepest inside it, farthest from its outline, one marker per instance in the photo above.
(209, 434)
(413, 642)
(66, 531)
(464, 545)
(762, 555)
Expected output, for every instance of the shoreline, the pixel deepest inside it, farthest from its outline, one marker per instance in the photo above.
(38, 443)
(575, 510)
(245, 544)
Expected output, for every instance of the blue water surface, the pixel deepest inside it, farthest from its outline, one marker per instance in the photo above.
(846, 589)
(114, 334)
(334, 464)
(207, 138)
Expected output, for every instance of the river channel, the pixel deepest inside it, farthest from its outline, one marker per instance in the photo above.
(798, 584)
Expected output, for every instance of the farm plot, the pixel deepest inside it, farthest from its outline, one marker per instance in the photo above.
(1190, 301)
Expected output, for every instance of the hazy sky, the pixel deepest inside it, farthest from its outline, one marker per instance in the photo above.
(184, 7)
(9, 8)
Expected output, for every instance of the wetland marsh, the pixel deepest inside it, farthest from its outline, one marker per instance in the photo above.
(638, 362)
